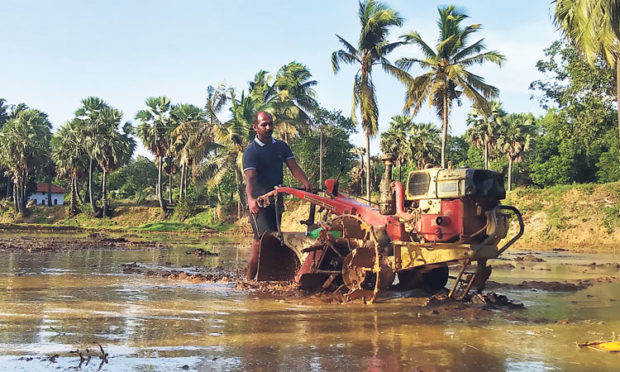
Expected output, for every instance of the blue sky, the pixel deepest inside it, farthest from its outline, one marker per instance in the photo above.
(56, 53)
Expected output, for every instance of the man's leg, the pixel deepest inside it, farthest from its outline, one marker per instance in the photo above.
(253, 261)
(262, 222)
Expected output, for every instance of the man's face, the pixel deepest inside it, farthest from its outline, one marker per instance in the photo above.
(264, 126)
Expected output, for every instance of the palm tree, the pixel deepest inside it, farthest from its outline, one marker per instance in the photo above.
(70, 156)
(515, 139)
(189, 121)
(594, 27)
(295, 101)
(91, 130)
(424, 144)
(394, 140)
(197, 135)
(485, 127)
(447, 77)
(154, 132)
(113, 149)
(4, 112)
(24, 144)
(372, 49)
(360, 151)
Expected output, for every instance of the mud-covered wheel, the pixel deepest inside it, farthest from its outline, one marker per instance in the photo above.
(430, 280)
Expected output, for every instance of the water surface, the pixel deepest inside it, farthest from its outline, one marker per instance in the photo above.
(55, 303)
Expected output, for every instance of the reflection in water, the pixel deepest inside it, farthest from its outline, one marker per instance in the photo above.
(56, 303)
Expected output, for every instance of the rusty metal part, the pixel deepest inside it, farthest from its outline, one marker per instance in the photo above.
(461, 287)
(429, 278)
(276, 260)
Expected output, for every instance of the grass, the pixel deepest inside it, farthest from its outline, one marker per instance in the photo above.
(171, 226)
(611, 220)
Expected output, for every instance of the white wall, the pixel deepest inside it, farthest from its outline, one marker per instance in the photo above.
(41, 198)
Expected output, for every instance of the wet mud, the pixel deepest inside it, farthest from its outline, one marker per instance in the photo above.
(554, 286)
(70, 243)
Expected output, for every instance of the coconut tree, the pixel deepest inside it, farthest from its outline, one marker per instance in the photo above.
(447, 78)
(295, 101)
(24, 144)
(154, 132)
(232, 138)
(515, 139)
(394, 140)
(594, 27)
(376, 19)
(70, 156)
(424, 144)
(196, 136)
(485, 127)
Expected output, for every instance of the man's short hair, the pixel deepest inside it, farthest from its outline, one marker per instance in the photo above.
(261, 112)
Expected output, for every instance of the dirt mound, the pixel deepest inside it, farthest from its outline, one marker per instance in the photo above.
(64, 244)
(552, 286)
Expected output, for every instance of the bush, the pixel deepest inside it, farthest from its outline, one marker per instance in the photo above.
(186, 207)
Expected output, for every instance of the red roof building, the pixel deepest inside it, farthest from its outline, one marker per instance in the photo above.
(42, 187)
(40, 197)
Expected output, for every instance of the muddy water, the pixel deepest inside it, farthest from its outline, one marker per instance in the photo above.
(55, 303)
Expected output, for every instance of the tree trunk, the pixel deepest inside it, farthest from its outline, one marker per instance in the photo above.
(509, 174)
(368, 194)
(24, 195)
(104, 194)
(162, 203)
(486, 155)
(15, 196)
(77, 191)
(219, 193)
(18, 198)
(240, 191)
(9, 183)
(73, 207)
(181, 182)
(93, 203)
(444, 135)
(49, 188)
(363, 169)
(618, 92)
(400, 171)
(170, 188)
(320, 157)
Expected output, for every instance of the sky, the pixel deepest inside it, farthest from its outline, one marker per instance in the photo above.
(55, 53)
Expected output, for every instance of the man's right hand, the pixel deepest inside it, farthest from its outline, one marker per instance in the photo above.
(253, 205)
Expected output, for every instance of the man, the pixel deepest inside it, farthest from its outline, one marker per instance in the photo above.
(262, 165)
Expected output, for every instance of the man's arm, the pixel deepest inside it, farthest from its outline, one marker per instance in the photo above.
(250, 181)
(298, 173)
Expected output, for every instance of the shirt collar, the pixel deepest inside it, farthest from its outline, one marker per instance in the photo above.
(273, 140)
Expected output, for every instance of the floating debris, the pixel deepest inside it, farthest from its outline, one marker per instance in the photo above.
(199, 252)
(611, 346)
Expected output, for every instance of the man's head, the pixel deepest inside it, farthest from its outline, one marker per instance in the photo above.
(263, 125)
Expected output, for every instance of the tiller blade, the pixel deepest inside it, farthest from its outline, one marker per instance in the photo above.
(276, 260)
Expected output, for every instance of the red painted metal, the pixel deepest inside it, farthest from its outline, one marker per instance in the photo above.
(451, 226)
(342, 204)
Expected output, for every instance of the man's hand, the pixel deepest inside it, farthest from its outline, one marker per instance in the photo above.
(253, 205)
(308, 187)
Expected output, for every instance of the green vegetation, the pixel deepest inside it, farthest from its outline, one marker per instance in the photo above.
(196, 178)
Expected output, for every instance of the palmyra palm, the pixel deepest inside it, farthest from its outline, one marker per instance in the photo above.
(485, 126)
(515, 139)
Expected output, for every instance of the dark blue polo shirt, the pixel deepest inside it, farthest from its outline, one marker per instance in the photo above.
(267, 160)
